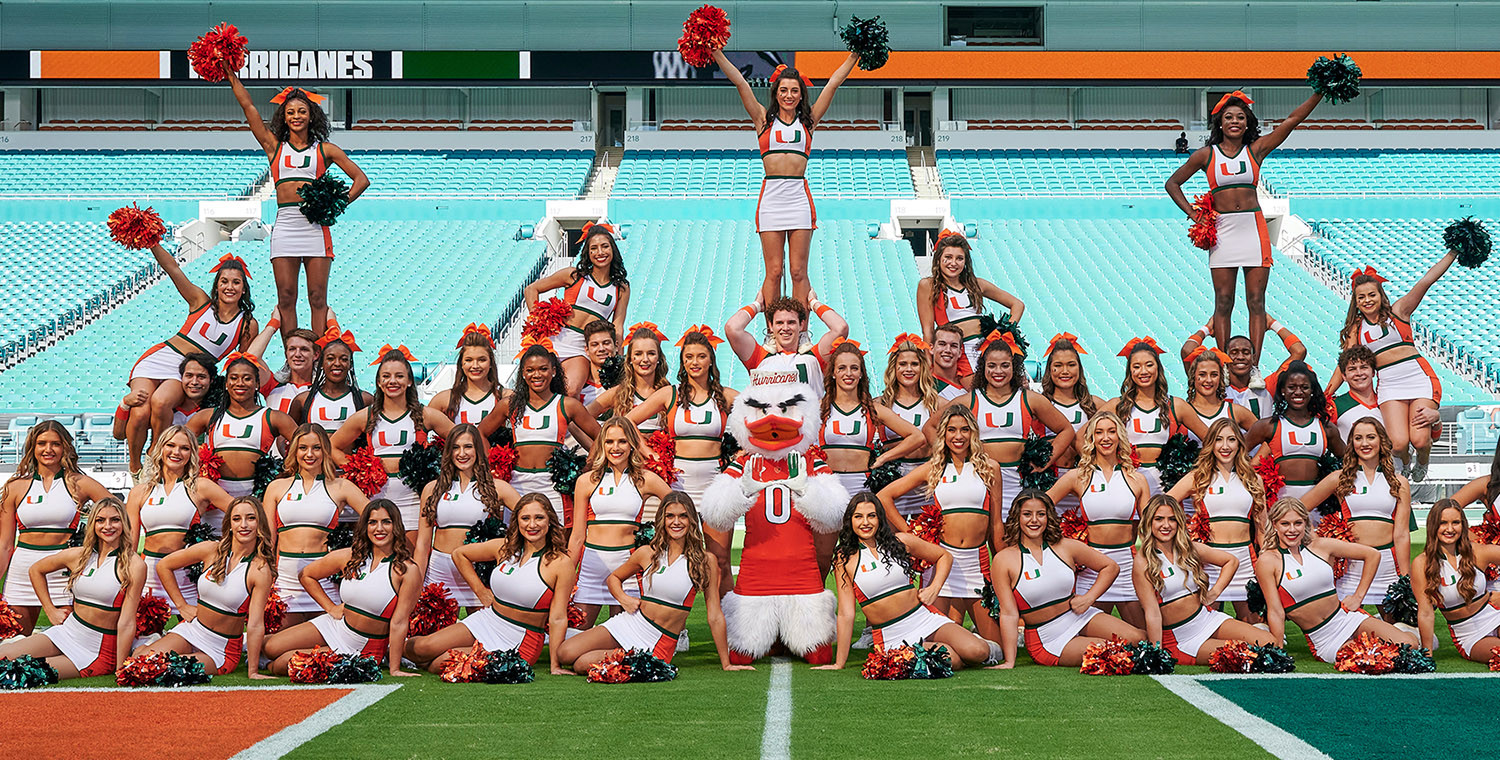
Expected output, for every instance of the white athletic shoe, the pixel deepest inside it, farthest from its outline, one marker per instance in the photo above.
(1262, 626)
(682, 642)
(1418, 471)
(1257, 383)
(866, 639)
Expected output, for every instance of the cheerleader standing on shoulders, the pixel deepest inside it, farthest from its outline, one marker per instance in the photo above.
(1111, 493)
(476, 391)
(948, 362)
(954, 295)
(600, 342)
(1449, 575)
(912, 394)
(1207, 391)
(542, 414)
(607, 511)
(1297, 577)
(199, 374)
(306, 504)
(93, 618)
(1357, 365)
(1298, 432)
(645, 373)
(1149, 427)
(787, 318)
(169, 501)
(598, 288)
(227, 615)
(296, 242)
(852, 421)
(1231, 498)
(526, 598)
(379, 586)
(784, 215)
(334, 395)
(41, 505)
(240, 429)
(1245, 386)
(1180, 602)
(463, 494)
(1037, 566)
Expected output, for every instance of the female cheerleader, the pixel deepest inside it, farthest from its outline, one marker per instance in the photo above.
(872, 566)
(954, 295)
(696, 410)
(227, 614)
(598, 288)
(607, 508)
(784, 215)
(306, 503)
(542, 414)
(948, 362)
(959, 478)
(93, 615)
(1484, 489)
(526, 599)
(219, 322)
(168, 501)
(1037, 565)
(240, 428)
(1449, 575)
(911, 393)
(1180, 602)
(1111, 493)
(1377, 503)
(463, 494)
(393, 424)
(1405, 381)
(476, 391)
(1064, 384)
(600, 341)
(334, 395)
(1149, 410)
(200, 374)
(1208, 392)
(787, 318)
(645, 374)
(40, 506)
(1357, 365)
(1232, 160)
(295, 241)
(1298, 431)
(1298, 581)
(669, 571)
(377, 601)
(852, 421)
(1245, 386)
(1232, 497)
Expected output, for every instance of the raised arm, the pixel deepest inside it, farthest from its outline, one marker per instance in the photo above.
(1295, 350)
(753, 108)
(837, 327)
(263, 135)
(737, 332)
(825, 98)
(1194, 164)
(1406, 305)
(1268, 143)
(195, 296)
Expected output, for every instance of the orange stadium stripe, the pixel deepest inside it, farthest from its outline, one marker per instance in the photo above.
(100, 64)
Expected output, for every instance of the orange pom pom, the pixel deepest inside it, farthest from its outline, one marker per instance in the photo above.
(547, 318)
(1367, 654)
(135, 227)
(436, 609)
(151, 615)
(1336, 526)
(1107, 658)
(1204, 231)
(706, 30)
(366, 471)
(661, 455)
(209, 462)
(502, 462)
(219, 51)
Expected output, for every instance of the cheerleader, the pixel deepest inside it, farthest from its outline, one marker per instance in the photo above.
(1231, 160)
(306, 503)
(1298, 432)
(379, 585)
(597, 288)
(1484, 489)
(200, 375)
(1149, 410)
(1207, 391)
(1037, 566)
(852, 421)
(227, 614)
(1403, 378)
(542, 414)
(334, 395)
(784, 215)
(645, 373)
(239, 429)
(1111, 493)
(391, 425)
(301, 348)
(608, 505)
(959, 478)
(669, 572)
(1295, 572)
(526, 597)
(1357, 365)
(600, 342)
(39, 509)
(872, 566)
(787, 318)
(911, 393)
(1179, 600)
(219, 322)
(93, 614)
(1064, 384)
(1231, 502)
(1377, 504)
(296, 242)
(947, 362)
(1242, 378)
(1449, 575)
(170, 499)
(463, 494)
(476, 391)
(954, 295)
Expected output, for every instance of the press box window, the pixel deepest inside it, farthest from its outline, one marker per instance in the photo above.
(977, 26)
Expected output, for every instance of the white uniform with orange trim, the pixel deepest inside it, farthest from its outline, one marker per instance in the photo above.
(90, 648)
(516, 586)
(228, 597)
(1008, 422)
(168, 512)
(1150, 430)
(963, 493)
(1406, 379)
(957, 307)
(598, 301)
(1300, 583)
(204, 331)
(41, 510)
(687, 421)
(1292, 441)
(545, 426)
(1243, 240)
(1226, 500)
(370, 595)
(252, 434)
(670, 586)
(1110, 501)
(302, 507)
(1371, 501)
(472, 412)
(293, 236)
(458, 507)
(390, 439)
(1467, 631)
(330, 412)
(785, 201)
(914, 501)
(615, 501)
(1044, 583)
(1076, 417)
(1185, 639)
(853, 430)
(281, 396)
(807, 364)
(1349, 409)
(876, 578)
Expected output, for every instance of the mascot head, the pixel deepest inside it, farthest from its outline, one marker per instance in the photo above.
(776, 415)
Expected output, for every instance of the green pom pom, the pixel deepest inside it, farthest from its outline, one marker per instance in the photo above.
(1336, 78)
(565, 465)
(868, 39)
(611, 371)
(487, 529)
(1400, 603)
(882, 476)
(341, 537)
(1328, 464)
(182, 671)
(645, 535)
(647, 668)
(419, 466)
(197, 533)
(1271, 659)
(1036, 452)
(1410, 659)
(267, 469)
(26, 672)
(323, 200)
(729, 448)
(506, 667)
(354, 668)
(1255, 598)
(989, 601)
(1151, 659)
(1468, 240)
(928, 664)
(1178, 457)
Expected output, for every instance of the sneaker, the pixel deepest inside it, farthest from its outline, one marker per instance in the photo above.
(282, 375)
(1418, 471)
(1257, 383)
(682, 643)
(866, 639)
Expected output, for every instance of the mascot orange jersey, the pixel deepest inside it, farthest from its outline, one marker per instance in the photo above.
(778, 556)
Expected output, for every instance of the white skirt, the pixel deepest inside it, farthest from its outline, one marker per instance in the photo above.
(1325, 639)
(694, 475)
(225, 652)
(971, 570)
(1385, 575)
(91, 650)
(1010, 488)
(294, 237)
(632, 630)
(440, 569)
(1123, 589)
(497, 634)
(18, 590)
(597, 565)
(1466, 633)
(1045, 642)
(568, 343)
(1243, 241)
(345, 640)
(160, 362)
(785, 204)
(1186, 639)
(289, 584)
(1408, 380)
(912, 628)
(185, 584)
(539, 481)
(1235, 591)
(406, 502)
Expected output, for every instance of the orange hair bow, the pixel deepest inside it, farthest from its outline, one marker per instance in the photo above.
(806, 83)
(230, 258)
(477, 329)
(286, 93)
(705, 331)
(1005, 338)
(1201, 350)
(841, 341)
(234, 355)
(648, 327)
(588, 229)
(1134, 343)
(1225, 100)
(332, 334)
(1060, 337)
(945, 233)
(385, 349)
(912, 338)
(529, 341)
(1368, 271)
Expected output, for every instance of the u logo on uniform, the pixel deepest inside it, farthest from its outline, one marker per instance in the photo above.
(287, 162)
(1224, 169)
(219, 341)
(1312, 438)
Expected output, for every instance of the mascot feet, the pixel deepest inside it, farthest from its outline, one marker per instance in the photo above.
(739, 658)
(822, 655)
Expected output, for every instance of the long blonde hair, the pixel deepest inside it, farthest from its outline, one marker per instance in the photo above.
(699, 566)
(1383, 461)
(635, 466)
(155, 463)
(1208, 465)
(926, 385)
(91, 546)
(984, 467)
(1282, 506)
(1184, 553)
(291, 467)
(67, 464)
(218, 567)
(1124, 451)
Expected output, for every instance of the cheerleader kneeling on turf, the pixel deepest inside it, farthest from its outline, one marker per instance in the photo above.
(168, 502)
(463, 493)
(227, 616)
(542, 415)
(598, 288)
(1449, 575)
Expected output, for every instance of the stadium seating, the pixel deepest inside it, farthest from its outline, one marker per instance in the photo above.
(130, 173)
(476, 173)
(738, 173)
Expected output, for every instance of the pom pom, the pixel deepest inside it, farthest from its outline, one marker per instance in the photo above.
(151, 615)
(989, 601)
(463, 665)
(506, 667)
(1487, 532)
(1178, 456)
(729, 448)
(197, 533)
(218, 52)
(1204, 231)
(1270, 658)
(989, 324)
(10, 621)
(1234, 657)
(1336, 527)
(882, 476)
(137, 228)
(267, 469)
(168, 669)
(1468, 240)
(341, 537)
(565, 465)
(311, 667)
(323, 200)
(928, 526)
(611, 669)
(1495, 660)
(611, 371)
(1367, 654)
(576, 620)
(706, 30)
(1328, 464)
(354, 668)
(645, 534)
(1036, 452)
(661, 455)
(647, 668)
(928, 664)
(1198, 528)
(892, 664)
(366, 471)
(485, 530)
(27, 672)
(1400, 603)
(546, 319)
(436, 609)
(209, 462)
(1255, 599)
(275, 613)
(1410, 659)
(868, 39)
(1075, 525)
(419, 464)
(1336, 78)
(1151, 659)
(502, 462)
(1270, 475)
(76, 539)
(1107, 658)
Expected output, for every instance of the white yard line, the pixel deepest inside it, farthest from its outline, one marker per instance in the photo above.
(1264, 733)
(776, 740)
(287, 739)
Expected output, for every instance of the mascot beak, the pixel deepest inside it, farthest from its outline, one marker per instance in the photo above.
(774, 432)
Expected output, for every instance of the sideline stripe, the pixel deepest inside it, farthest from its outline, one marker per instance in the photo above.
(1267, 735)
(776, 740)
(285, 686)
(1331, 676)
(287, 739)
